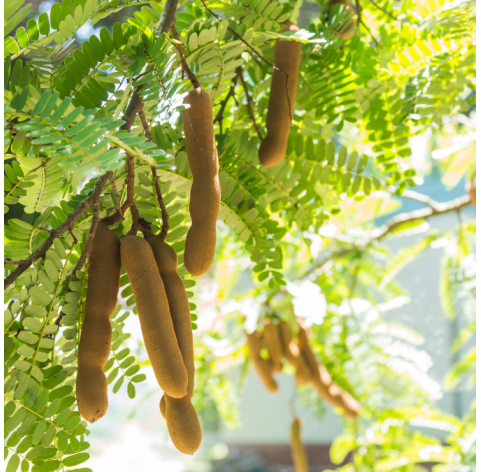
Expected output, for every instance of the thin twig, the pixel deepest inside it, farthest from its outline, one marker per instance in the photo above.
(75, 240)
(220, 114)
(249, 101)
(358, 11)
(369, 30)
(384, 11)
(129, 117)
(135, 220)
(185, 67)
(163, 209)
(41, 228)
(256, 53)
(130, 180)
(117, 198)
(145, 125)
(67, 225)
(85, 253)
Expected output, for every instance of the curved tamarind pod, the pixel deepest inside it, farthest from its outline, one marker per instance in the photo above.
(342, 399)
(205, 192)
(273, 342)
(182, 420)
(320, 377)
(323, 383)
(303, 375)
(96, 336)
(287, 57)
(288, 348)
(351, 405)
(291, 352)
(154, 315)
(162, 407)
(350, 29)
(298, 451)
(183, 424)
(263, 367)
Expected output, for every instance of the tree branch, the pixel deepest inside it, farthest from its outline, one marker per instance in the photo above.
(167, 19)
(220, 114)
(117, 198)
(384, 11)
(249, 101)
(67, 225)
(376, 42)
(163, 209)
(192, 77)
(434, 208)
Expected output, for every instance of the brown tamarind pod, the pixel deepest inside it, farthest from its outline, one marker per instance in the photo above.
(351, 405)
(182, 420)
(96, 336)
(291, 352)
(342, 399)
(263, 367)
(273, 342)
(154, 315)
(162, 407)
(303, 375)
(287, 57)
(298, 451)
(321, 379)
(350, 29)
(205, 192)
(289, 349)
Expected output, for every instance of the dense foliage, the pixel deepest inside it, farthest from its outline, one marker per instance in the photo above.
(307, 223)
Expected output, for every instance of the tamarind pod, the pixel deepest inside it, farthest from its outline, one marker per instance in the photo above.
(342, 399)
(320, 378)
(308, 356)
(273, 342)
(351, 405)
(350, 29)
(162, 407)
(166, 259)
(183, 424)
(298, 451)
(182, 420)
(96, 335)
(263, 367)
(154, 315)
(288, 348)
(287, 57)
(205, 192)
(303, 375)
(254, 343)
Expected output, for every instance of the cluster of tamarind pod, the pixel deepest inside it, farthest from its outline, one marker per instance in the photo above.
(277, 338)
(159, 292)
(282, 95)
(164, 316)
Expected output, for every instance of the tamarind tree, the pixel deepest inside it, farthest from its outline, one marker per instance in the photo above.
(94, 130)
